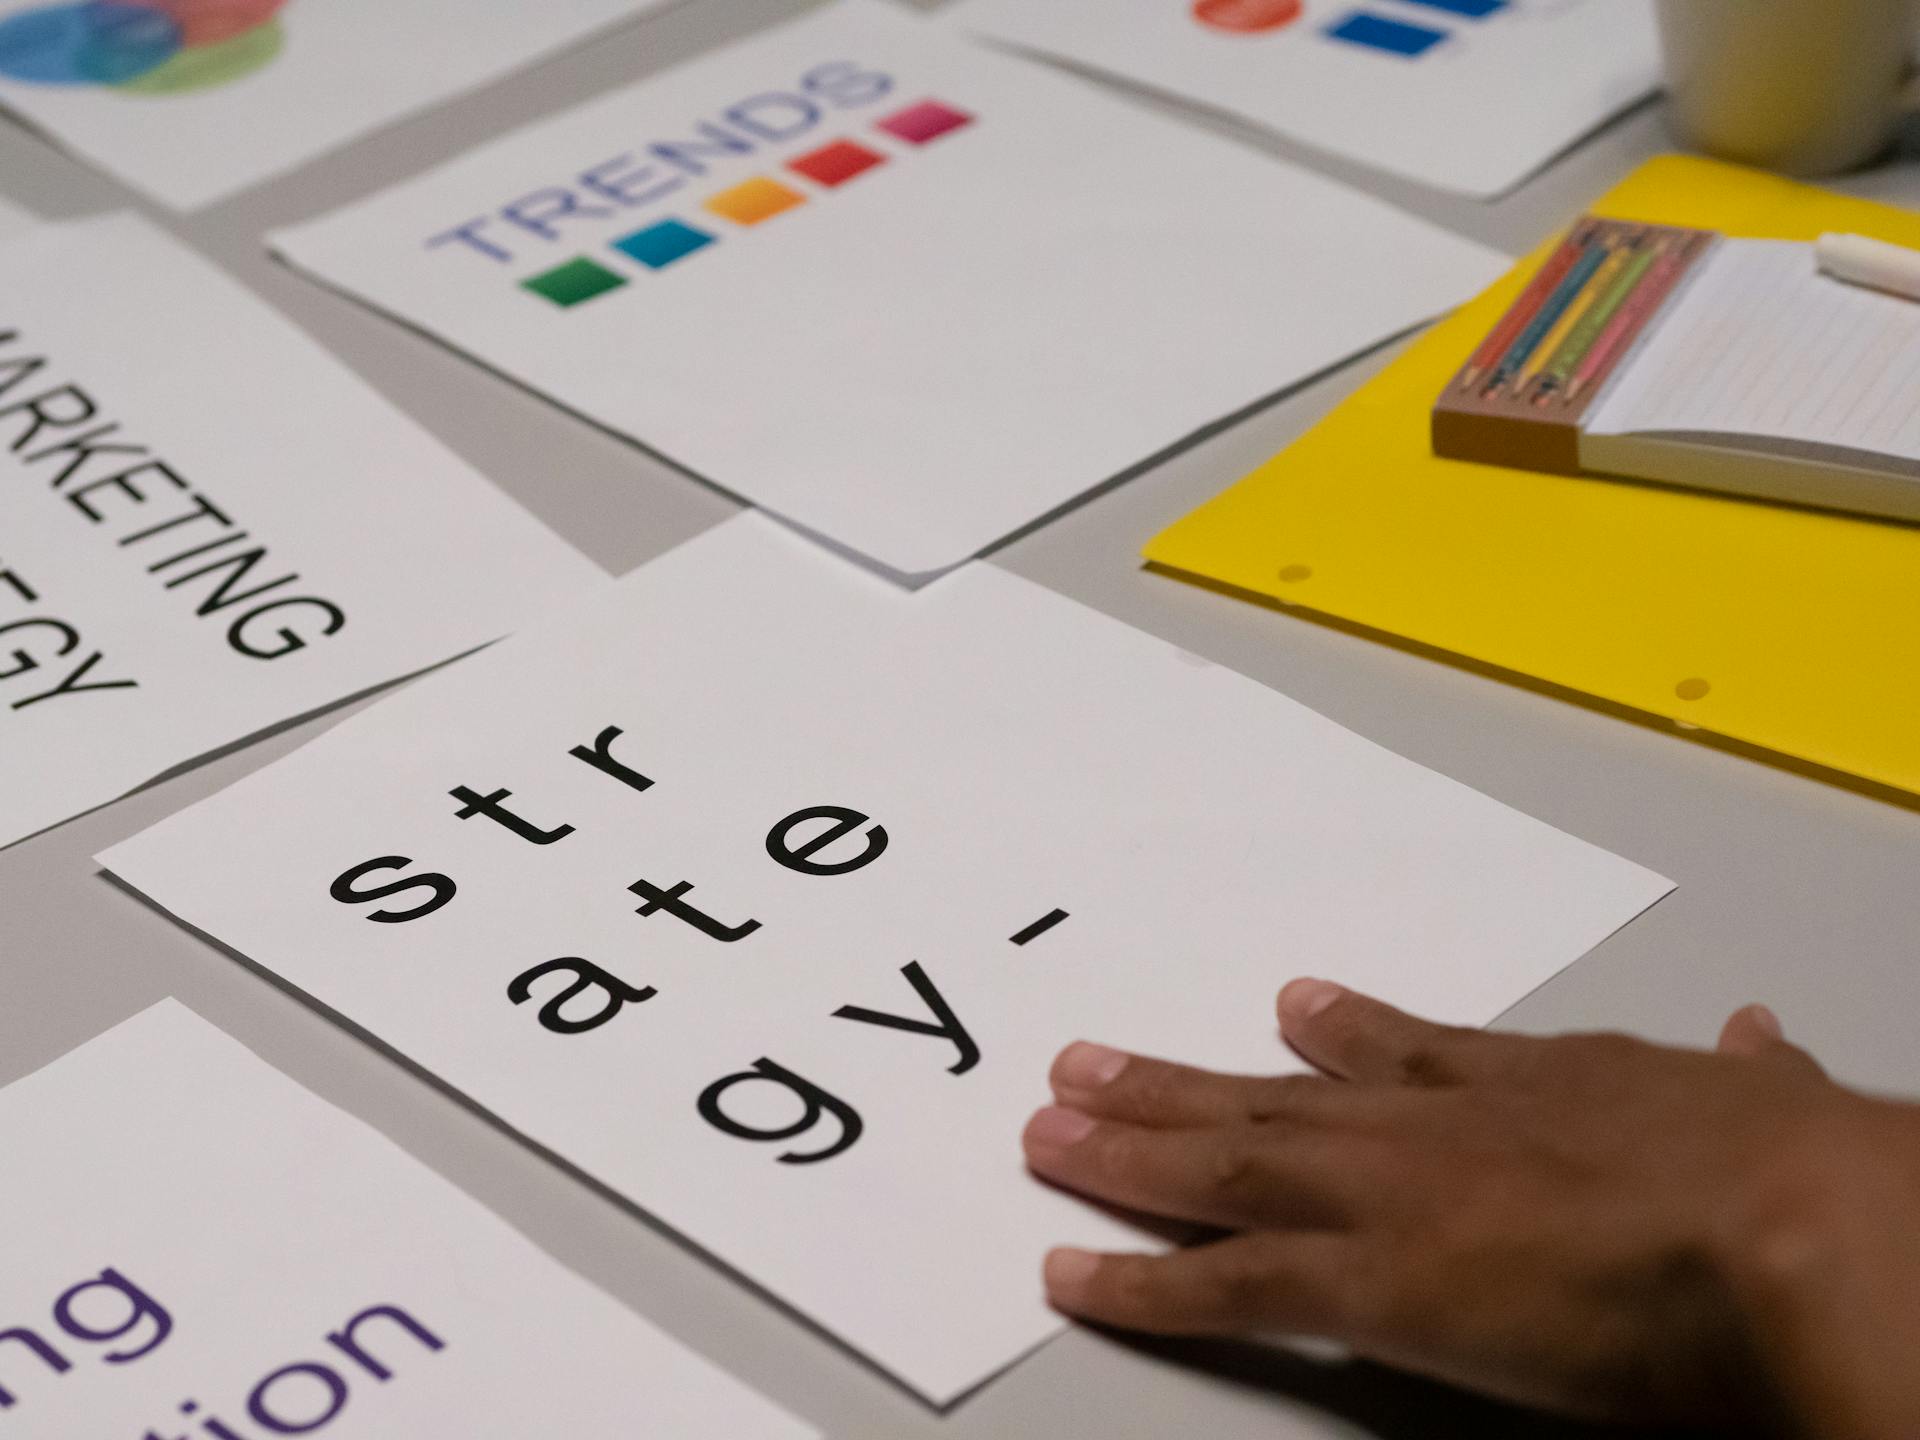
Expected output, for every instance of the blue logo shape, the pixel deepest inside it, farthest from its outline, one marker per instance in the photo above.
(97, 42)
(659, 246)
(1378, 32)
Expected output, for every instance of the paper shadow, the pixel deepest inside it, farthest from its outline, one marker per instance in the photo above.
(1388, 1404)
(252, 738)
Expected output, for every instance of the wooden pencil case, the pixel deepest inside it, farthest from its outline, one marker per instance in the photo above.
(1522, 397)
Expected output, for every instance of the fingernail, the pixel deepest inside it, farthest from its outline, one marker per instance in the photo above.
(1057, 1128)
(1304, 999)
(1067, 1274)
(1085, 1066)
(1766, 1021)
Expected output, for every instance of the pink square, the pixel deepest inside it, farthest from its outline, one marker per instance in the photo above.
(926, 121)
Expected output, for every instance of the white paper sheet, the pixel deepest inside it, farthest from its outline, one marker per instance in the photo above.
(198, 1245)
(1043, 289)
(159, 425)
(1465, 95)
(1170, 840)
(189, 101)
(1762, 346)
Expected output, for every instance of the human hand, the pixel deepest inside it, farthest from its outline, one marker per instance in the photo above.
(1589, 1224)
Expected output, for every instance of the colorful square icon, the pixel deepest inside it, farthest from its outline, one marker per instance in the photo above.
(1472, 9)
(1378, 32)
(837, 163)
(754, 201)
(659, 246)
(926, 121)
(574, 283)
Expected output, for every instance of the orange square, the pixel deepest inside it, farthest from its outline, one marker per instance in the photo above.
(758, 199)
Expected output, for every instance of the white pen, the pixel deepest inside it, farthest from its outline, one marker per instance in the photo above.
(1872, 263)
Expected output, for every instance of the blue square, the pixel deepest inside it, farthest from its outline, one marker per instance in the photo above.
(1377, 32)
(659, 246)
(1472, 9)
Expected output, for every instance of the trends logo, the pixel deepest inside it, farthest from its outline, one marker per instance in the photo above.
(141, 47)
(748, 203)
(761, 133)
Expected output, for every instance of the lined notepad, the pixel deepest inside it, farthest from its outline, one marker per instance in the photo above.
(1763, 351)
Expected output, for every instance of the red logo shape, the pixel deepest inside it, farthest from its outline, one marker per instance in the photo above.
(837, 163)
(1247, 17)
(209, 22)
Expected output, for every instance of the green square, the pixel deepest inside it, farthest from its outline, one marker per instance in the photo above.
(574, 282)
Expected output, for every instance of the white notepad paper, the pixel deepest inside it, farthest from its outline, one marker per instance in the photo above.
(1767, 378)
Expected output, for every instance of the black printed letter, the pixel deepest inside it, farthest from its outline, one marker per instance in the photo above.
(442, 887)
(490, 806)
(948, 1028)
(800, 857)
(816, 1101)
(670, 901)
(586, 975)
(600, 756)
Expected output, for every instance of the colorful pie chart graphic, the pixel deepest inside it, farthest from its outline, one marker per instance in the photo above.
(141, 47)
(1247, 17)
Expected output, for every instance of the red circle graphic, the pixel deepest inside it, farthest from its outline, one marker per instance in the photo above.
(1247, 17)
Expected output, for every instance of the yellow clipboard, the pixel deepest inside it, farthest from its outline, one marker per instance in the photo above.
(1788, 633)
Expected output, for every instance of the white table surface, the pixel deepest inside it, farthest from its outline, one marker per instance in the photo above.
(1791, 891)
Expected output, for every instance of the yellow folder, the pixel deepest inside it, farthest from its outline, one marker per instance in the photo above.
(1790, 633)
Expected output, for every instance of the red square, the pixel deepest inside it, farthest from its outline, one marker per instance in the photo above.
(837, 163)
(926, 122)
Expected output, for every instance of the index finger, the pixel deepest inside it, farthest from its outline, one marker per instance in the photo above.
(1354, 1037)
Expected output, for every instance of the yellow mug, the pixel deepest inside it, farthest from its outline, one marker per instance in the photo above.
(1804, 87)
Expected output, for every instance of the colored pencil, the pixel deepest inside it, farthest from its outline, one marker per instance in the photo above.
(1564, 295)
(1631, 319)
(1527, 306)
(1636, 261)
(1598, 284)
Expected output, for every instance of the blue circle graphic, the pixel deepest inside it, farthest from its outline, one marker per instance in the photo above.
(95, 42)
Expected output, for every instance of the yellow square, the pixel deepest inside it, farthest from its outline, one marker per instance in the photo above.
(758, 199)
